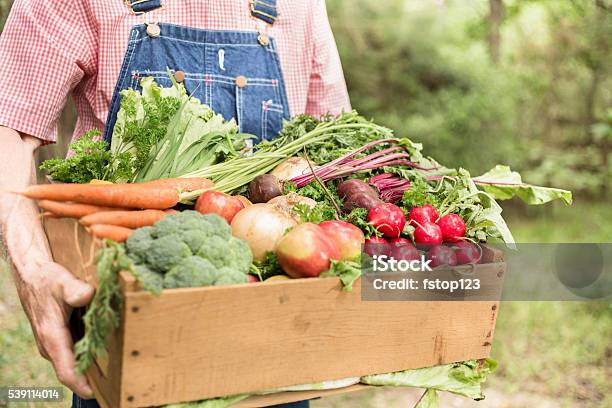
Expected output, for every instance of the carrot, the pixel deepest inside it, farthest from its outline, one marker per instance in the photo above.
(127, 219)
(71, 210)
(111, 195)
(186, 184)
(103, 231)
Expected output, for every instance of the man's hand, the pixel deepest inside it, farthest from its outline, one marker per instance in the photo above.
(47, 291)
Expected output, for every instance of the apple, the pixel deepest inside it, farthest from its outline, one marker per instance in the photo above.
(306, 251)
(219, 203)
(347, 237)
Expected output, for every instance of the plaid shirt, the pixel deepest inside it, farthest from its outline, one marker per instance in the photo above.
(54, 48)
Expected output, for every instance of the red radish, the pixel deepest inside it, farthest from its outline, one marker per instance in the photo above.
(347, 237)
(306, 251)
(453, 227)
(406, 252)
(377, 246)
(219, 203)
(467, 253)
(428, 233)
(387, 218)
(422, 214)
(399, 241)
(441, 255)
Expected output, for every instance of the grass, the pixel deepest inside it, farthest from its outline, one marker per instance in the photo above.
(551, 354)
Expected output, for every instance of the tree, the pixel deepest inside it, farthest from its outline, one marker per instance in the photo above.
(495, 20)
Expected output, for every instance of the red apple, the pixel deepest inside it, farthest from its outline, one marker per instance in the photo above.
(219, 203)
(306, 251)
(347, 237)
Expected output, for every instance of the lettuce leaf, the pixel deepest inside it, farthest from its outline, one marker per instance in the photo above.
(222, 402)
(503, 184)
(170, 133)
(347, 271)
(459, 378)
(428, 400)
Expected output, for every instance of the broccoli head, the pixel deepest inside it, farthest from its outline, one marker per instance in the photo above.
(195, 239)
(138, 244)
(191, 272)
(189, 249)
(232, 252)
(166, 252)
(210, 224)
(230, 276)
(151, 281)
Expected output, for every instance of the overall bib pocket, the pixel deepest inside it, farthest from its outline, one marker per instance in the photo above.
(230, 71)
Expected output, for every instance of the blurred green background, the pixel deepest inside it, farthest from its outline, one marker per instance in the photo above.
(479, 82)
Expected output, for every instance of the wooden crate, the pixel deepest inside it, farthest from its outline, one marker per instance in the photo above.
(199, 343)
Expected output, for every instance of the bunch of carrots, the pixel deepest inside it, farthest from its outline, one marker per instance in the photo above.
(114, 211)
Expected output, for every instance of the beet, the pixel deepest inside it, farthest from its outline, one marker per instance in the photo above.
(358, 194)
(264, 188)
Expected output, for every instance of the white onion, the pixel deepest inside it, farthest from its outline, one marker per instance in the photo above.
(291, 168)
(292, 199)
(261, 226)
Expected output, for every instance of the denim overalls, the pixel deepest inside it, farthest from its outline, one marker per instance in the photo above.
(236, 73)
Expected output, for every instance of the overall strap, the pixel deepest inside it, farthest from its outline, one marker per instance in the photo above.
(264, 10)
(143, 6)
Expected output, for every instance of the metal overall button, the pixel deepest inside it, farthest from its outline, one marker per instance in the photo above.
(153, 30)
(179, 76)
(241, 81)
(263, 39)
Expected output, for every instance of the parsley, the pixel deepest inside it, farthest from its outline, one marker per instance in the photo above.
(267, 268)
(419, 193)
(91, 161)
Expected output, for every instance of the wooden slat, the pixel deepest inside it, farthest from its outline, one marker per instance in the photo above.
(205, 342)
(198, 343)
(72, 247)
(106, 381)
(286, 397)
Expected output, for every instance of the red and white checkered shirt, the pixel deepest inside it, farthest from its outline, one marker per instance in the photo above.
(52, 48)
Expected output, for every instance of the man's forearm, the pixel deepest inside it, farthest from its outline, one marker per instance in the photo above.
(19, 217)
